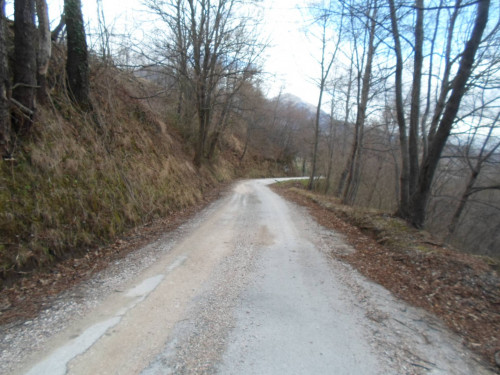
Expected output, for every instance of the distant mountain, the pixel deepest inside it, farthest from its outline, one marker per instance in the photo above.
(299, 103)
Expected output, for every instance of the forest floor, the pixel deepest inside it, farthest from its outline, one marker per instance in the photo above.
(461, 289)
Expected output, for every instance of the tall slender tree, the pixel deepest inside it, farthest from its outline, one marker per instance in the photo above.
(326, 62)
(24, 87)
(44, 48)
(404, 186)
(418, 59)
(5, 125)
(420, 198)
(77, 64)
(354, 163)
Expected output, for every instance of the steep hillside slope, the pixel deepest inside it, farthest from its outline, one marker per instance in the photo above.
(82, 179)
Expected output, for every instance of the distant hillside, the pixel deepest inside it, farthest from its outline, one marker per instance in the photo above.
(311, 109)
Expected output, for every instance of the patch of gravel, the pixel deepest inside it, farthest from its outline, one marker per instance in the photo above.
(19, 339)
(198, 342)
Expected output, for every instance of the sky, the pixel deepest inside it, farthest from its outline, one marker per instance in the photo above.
(289, 61)
(290, 56)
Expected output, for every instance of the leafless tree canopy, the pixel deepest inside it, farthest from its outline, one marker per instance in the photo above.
(211, 49)
(415, 102)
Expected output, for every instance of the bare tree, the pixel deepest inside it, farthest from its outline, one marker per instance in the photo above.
(5, 125)
(209, 44)
(475, 169)
(325, 63)
(354, 161)
(404, 187)
(425, 143)
(413, 151)
(416, 181)
(25, 65)
(77, 64)
(420, 198)
(446, 56)
(331, 138)
(44, 48)
(347, 113)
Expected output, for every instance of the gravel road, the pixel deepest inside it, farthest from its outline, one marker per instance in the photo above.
(249, 286)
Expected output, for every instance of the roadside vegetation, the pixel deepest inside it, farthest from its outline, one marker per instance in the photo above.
(407, 115)
(91, 149)
(81, 179)
(98, 137)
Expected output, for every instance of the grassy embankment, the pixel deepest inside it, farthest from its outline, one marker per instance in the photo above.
(82, 179)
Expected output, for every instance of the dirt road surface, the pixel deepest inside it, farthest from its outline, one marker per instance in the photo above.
(250, 286)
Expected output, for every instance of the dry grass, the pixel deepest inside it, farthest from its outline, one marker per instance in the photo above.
(82, 179)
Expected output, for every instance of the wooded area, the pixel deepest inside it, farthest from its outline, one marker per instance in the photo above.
(424, 94)
(406, 118)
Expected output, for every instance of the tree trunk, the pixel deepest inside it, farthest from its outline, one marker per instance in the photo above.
(316, 133)
(77, 65)
(343, 175)
(353, 174)
(203, 122)
(375, 184)
(325, 71)
(5, 125)
(214, 139)
(329, 172)
(404, 187)
(354, 177)
(25, 64)
(415, 97)
(425, 140)
(220, 126)
(247, 140)
(331, 149)
(198, 152)
(420, 198)
(44, 49)
(445, 84)
(56, 33)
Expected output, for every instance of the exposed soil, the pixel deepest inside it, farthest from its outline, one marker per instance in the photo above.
(463, 290)
(28, 295)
